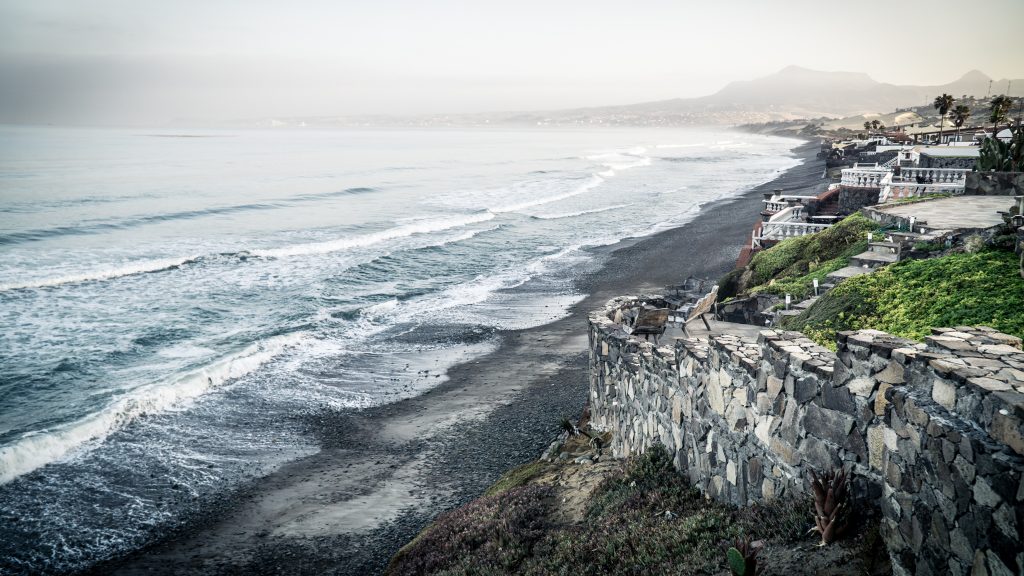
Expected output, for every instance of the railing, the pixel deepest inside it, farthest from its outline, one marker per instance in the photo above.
(903, 191)
(783, 230)
(933, 175)
(789, 214)
(872, 177)
(892, 162)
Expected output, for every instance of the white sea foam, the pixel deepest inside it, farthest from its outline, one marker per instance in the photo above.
(466, 236)
(697, 145)
(591, 183)
(619, 161)
(580, 213)
(37, 449)
(419, 227)
(113, 271)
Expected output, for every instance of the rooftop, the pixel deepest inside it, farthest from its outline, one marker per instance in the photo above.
(954, 213)
(951, 151)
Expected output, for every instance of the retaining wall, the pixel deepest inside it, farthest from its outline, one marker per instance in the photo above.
(932, 431)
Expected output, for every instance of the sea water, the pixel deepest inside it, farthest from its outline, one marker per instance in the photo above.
(173, 303)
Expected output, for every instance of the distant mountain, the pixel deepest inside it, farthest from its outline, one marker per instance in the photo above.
(792, 92)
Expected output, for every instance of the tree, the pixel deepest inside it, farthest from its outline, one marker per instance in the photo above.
(943, 104)
(1000, 110)
(960, 115)
(874, 124)
(867, 125)
(999, 156)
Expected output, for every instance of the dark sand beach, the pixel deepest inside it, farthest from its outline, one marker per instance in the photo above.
(384, 473)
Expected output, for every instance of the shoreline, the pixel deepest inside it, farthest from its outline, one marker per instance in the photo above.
(385, 472)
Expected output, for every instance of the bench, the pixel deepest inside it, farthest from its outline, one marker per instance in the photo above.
(704, 305)
(650, 322)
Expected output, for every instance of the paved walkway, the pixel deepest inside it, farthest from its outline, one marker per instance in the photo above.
(955, 213)
(697, 328)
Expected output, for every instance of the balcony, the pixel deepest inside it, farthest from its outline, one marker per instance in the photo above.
(873, 176)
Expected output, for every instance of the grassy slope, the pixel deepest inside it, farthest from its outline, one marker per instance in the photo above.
(790, 266)
(646, 519)
(911, 297)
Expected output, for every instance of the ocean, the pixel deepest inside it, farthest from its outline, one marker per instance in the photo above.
(174, 303)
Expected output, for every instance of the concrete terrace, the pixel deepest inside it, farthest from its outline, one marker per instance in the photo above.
(955, 213)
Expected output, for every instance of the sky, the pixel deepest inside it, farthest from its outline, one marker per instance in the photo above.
(148, 62)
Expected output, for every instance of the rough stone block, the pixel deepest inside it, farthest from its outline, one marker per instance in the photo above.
(804, 389)
(791, 421)
(862, 387)
(894, 373)
(715, 398)
(985, 495)
(876, 446)
(944, 393)
(785, 450)
(819, 454)
(838, 398)
(753, 470)
(827, 424)
(762, 429)
(1008, 430)
(998, 349)
(880, 400)
(774, 386)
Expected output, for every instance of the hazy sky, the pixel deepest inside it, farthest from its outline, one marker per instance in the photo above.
(132, 61)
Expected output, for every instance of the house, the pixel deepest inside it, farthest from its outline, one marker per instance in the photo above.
(948, 156)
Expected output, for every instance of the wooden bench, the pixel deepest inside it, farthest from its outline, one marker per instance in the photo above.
(700, 308)
(650, 322)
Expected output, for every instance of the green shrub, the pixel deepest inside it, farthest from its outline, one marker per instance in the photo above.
(791, 266)
(910, 298)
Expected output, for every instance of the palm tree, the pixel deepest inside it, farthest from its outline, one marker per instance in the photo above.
(960, 115)
(867, 125)
(1000, 109)
(943, 104)
(874, 124)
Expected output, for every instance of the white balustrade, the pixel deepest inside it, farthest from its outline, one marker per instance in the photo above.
(872, 176)
(933, 175)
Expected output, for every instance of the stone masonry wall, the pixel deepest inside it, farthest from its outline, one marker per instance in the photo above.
(932, 431)
(994, 184)
(852, 199)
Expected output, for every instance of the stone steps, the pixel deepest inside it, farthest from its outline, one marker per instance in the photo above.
(885, 247)
(873, 259)
(847, 272)
(805, 304)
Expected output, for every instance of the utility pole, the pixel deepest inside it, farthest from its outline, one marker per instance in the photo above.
(989, 95)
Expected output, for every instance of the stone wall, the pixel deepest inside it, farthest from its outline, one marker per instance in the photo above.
(928, 161)
(852, 198)
(994, 184)
(932, 431)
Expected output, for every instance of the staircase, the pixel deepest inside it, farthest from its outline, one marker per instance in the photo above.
(878, 254)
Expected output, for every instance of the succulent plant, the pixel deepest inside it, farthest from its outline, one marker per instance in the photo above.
(831, 504)
(743, 557)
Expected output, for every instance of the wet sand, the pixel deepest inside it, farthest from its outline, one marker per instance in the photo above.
(386, 472)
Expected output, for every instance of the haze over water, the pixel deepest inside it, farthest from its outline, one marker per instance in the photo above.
(174, 305)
